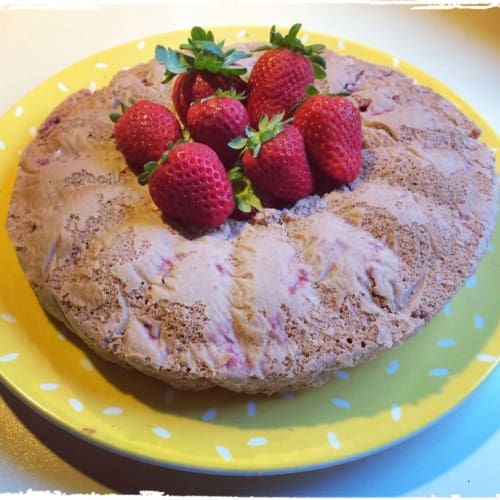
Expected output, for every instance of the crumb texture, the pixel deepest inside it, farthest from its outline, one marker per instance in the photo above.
(280, 302)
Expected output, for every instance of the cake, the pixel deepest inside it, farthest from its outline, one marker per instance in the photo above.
(275, 303)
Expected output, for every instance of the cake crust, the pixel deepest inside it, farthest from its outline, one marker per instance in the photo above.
(276, 303)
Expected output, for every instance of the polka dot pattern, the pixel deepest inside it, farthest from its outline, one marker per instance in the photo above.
(446, 343)
(251, 409)
(257, 441)
(8, 318)
(209, 414)
(234, 428)
(76, 405)
(113, 410)
(49, 386)
(438, 372)
(486, 358)
(396, 412)
(479, 322)
(7, 358)
(342, 374)
(471, 282)
(161, 432)
(224, 452)
(393, 367)
(87, 364)
(341, 403)
(333, 440)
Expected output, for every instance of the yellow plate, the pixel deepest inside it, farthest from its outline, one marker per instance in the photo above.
(358, 412)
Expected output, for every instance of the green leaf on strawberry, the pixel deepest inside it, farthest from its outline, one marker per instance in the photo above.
(290, 41)
(268, 128)
(244, 195)
(150, 168)
(205, 55)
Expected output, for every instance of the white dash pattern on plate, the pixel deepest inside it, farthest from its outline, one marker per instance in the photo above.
(438, 372)
(479, 322)
(7, 358)
(393, 367)
(446, 342)
(396, 412)
(224, 452)
(341, 403)
(76, 405)
(87, 364)
(8, 318)
(251, 409)
(113, 410)
(342, 374)
(49, 386)
(210, 414)
(161, 432)
(486, 358)
(257, 441)
(333, 440)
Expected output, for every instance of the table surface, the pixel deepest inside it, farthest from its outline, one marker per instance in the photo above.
(460, 454)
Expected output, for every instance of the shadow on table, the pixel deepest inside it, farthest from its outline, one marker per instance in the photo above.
(418, 460)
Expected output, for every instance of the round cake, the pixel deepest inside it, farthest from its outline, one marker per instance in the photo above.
(275, 303)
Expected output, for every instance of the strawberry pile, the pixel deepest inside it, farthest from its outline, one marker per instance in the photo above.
(239, 142)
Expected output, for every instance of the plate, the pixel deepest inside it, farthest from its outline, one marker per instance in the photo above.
(358, 412)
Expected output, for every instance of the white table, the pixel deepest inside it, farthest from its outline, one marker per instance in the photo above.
(458, 455)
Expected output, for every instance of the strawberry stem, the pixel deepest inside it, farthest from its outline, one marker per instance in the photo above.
(267, 130)
(243, 193)
(204, 55)
(290, 41)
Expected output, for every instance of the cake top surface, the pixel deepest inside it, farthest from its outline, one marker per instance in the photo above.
(275, 303)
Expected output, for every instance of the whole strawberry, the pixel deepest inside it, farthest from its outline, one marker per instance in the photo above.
(217, 120)
(190, 185)
(201, 67)
(143, 132)
(281, 75)
(331, 127)
(274, 159)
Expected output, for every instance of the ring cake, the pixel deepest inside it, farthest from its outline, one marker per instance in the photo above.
(278, 302)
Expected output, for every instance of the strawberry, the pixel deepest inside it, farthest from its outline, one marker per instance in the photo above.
(201, 67)
(190, 184)
(331, 127)
(143, 131)
(274, 159)
(281, 75)
(217, 120)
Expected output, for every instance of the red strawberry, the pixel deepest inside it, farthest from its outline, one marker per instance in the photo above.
(217, 120)
(331, 127)
(195, 85)
(275, 160)
(202, 70)
(143, 132)
(191, 185)
(280, 77)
